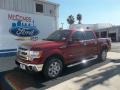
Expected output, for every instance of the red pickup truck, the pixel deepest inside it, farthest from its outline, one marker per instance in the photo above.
(61, 48)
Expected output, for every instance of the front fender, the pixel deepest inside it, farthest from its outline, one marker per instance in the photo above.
(52, 52)
(104, 46)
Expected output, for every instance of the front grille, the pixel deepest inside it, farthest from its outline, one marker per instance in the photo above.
(23, 53)
(23, 48)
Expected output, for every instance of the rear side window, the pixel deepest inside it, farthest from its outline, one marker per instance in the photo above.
(89, 35)
(77, 36)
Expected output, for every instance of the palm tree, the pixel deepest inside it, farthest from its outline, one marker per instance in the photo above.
(79, 18)
(71, 20)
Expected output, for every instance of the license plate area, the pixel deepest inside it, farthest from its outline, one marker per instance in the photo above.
(22, 66)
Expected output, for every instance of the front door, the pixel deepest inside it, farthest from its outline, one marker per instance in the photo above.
(91, 44)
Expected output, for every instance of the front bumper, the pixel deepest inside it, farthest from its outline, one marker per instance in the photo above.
(29, 67)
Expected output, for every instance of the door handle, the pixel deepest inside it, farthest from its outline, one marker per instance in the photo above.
(83, 42)
(95, 43)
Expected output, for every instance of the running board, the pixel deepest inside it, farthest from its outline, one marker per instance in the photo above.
(83, 61)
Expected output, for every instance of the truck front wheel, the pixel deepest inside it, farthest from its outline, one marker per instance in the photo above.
(52, 68)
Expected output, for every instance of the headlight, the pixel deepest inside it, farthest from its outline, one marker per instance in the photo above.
(35, 54)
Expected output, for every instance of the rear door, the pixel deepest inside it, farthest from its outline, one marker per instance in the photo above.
(76, 50)
(91, 44)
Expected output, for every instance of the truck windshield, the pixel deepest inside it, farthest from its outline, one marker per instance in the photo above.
(59, 35)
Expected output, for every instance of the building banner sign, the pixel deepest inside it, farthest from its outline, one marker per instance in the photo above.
(22, 26)
(18, 27)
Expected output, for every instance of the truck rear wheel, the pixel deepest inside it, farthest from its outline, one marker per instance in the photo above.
(103, 55)
(52, 68)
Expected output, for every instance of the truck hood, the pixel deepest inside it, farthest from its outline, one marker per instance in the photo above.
(42, 44)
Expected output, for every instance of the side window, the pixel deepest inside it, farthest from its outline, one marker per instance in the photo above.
(89, 35)
(78, 36)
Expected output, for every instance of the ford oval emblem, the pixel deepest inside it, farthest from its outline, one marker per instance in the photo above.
(24, 31)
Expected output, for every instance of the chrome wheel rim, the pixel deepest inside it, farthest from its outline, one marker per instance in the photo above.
(104, 55)
(54, 69)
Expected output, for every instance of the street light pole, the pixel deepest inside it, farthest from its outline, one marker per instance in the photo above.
(62, 25)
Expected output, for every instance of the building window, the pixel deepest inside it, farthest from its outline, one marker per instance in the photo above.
(39, 8)
(87, 27)
(97, 34)
(104, 34)
(50, 11)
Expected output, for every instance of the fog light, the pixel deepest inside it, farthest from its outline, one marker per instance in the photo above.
(35, 69)
(30, 68)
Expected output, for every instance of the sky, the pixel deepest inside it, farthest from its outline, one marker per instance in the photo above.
(93, 11)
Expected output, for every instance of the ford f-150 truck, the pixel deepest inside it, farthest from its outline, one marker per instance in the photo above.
(62, 48)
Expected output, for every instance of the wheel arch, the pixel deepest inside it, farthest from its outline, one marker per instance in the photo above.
(55, 55)
(104, 47)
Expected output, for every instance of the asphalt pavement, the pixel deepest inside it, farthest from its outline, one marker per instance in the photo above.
(105, 77)
(21, 80)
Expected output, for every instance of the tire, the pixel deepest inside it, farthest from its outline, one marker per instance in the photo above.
(52, 68)
(103, 55)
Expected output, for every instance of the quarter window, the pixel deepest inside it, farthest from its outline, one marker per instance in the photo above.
(89, 35)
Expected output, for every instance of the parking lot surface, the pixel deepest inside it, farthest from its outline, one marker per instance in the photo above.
(116, 47)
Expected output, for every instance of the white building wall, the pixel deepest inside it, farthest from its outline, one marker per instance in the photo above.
(28, 6)
(46, 22)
